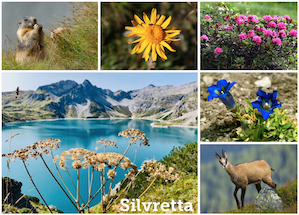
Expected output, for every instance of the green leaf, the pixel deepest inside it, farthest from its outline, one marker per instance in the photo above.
(286, 126)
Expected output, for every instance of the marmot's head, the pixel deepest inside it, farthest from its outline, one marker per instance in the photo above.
(27, 22)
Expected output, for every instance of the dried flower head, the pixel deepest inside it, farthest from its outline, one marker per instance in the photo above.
(135, 135)
(106, 143)
(157, 169)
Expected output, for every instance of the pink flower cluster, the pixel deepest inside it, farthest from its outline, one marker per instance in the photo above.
(277, 23)
(218, 50)
(207, 17)
(267, 18)
(276, 40)
(204, 38)
(293, 33)
(257, 39)
(242, 36)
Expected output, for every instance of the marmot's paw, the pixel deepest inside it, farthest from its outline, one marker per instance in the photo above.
(39, 27)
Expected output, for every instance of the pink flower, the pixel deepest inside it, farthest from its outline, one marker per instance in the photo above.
(286, 17)
(267, 18)
(275, 18)
(271, 24)
(218, 50)
(293, 33)
(267, 32)
(242, 36)
(251, 33)
(291, 20)
(281, 26)
(204, 37)
(280, 18)
(257, 39)
(240, 21)
(274, 34)
(252, 18)
(207, 17)
(242, 16)
(276, 40)
(282, 33)
(229, 27)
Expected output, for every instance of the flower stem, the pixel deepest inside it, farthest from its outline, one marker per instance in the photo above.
(77, 199)
(57, 181)
(149, 186)
(36, 187)
(149, 62)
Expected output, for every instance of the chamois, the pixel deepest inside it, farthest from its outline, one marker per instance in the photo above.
(246, 173)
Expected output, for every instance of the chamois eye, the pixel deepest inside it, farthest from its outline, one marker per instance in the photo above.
(25, 20)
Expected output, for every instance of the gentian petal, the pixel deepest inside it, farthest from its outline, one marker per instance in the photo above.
(230, 86)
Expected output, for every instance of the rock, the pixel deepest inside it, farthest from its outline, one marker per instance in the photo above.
(208, 80)
(268, 199)
(265, 82)
(12, 189)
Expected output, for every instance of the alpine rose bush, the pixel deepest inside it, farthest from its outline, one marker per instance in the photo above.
(236, 41)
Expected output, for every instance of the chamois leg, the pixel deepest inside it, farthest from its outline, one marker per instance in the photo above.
(258, 187)
(235, 195)
(243, 196)
(269, 182)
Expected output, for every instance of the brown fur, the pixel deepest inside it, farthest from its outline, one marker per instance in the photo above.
(246, 173)
(31, 41)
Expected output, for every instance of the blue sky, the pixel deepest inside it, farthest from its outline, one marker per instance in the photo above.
(112, 81)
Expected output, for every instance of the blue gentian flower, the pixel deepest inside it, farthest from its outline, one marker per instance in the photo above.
(266, 103)
(221, 91)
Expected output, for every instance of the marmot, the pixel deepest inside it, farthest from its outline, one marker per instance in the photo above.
(31, 40)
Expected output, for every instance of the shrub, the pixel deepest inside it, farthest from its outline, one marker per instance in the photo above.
(235, 41)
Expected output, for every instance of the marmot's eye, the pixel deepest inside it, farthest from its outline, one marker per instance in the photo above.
(25, 20)
(34, 20)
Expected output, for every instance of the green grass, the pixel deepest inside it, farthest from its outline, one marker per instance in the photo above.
(288, 194)
(263, 8)
(75, 49)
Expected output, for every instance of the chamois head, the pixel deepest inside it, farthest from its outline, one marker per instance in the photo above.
(223, 159)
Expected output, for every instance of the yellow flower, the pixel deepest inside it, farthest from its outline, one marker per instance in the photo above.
(155, 35)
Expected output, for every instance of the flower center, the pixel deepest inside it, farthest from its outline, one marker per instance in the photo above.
(154, 34)
(267, 105)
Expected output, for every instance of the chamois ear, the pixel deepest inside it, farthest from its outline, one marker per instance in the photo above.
(217, 156)
(224, 154)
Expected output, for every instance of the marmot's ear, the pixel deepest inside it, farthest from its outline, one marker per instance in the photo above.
(19, 23)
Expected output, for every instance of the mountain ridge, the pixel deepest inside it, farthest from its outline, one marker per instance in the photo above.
(68, 99)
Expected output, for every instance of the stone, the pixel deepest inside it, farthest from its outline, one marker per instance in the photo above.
(208, 80)
(265, 82)
(268, 199)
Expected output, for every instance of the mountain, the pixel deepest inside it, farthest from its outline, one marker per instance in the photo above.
(68, 99)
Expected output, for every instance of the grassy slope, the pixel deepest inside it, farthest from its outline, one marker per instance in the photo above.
(288, 194)
(76, 49)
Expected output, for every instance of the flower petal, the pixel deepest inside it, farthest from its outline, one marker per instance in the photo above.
(154, 53)
(163, 43)
(135, 30)
(136, 24)
(144, 43)
(160, 21)
(161, 52)
(138, 19)
(136, 41)
(146, 53)
(166, 23)
(154, 16)
(136, 48)
(146, 19)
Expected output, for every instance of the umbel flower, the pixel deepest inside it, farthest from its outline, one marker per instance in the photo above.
(266, 103)
(221, 91)
(154, 35)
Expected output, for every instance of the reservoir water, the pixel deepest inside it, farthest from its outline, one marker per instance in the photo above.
(83, 134)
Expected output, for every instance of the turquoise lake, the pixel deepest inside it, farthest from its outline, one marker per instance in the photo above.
(83, 134)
